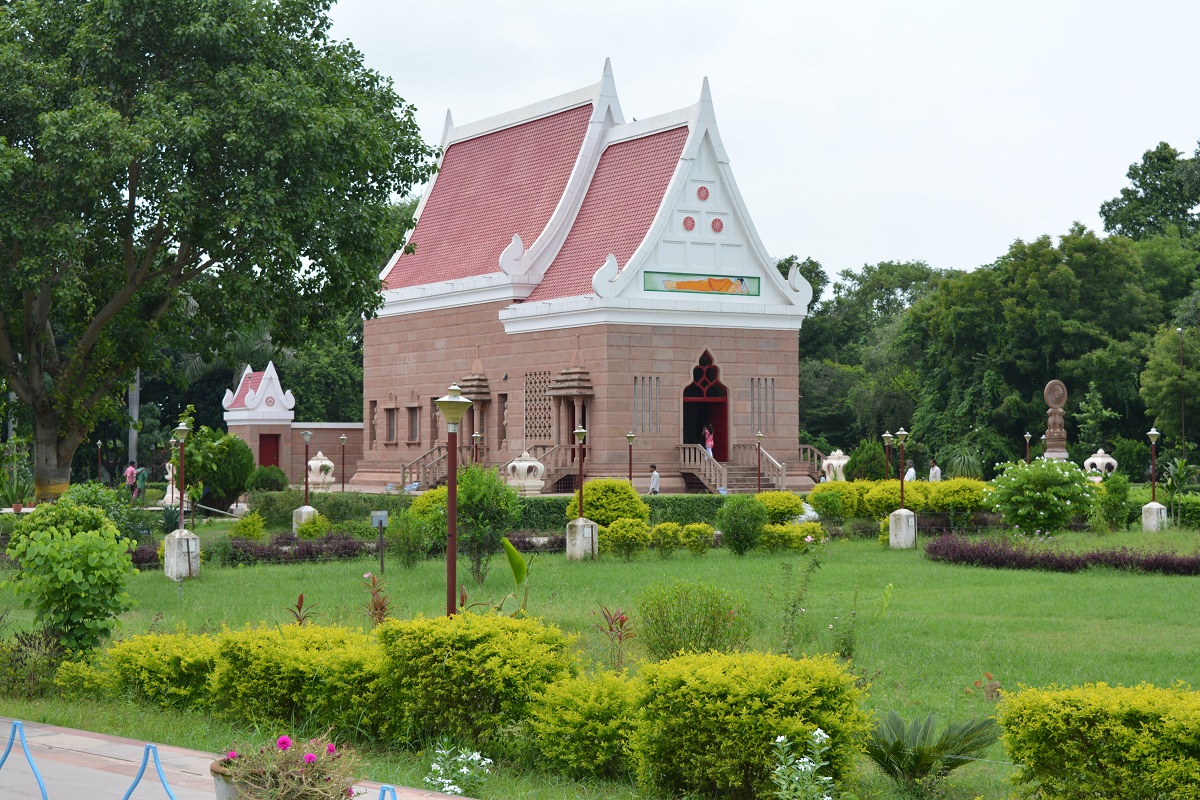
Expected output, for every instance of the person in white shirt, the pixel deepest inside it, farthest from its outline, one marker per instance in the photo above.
(935, 472)
(911, 474)
(653, 479)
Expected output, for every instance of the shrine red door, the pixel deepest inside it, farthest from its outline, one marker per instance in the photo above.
(706, 402)
(268, 449)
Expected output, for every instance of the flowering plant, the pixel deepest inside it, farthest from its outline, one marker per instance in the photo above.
(455, 771)
(1044, 494)
(799, 778)
(314, 770)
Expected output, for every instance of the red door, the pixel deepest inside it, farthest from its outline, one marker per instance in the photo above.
(705, 402)
(268, 449)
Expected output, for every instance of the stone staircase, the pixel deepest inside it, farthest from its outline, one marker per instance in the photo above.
(743, 479)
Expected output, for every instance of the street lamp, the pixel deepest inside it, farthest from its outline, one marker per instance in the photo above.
(759, 468)
(453, 406)
(580, 435)
(475, 437)
(342, 439)
(887, 446)
(1153, 434)
(99, 479)
(901, 435)
(1028, 436)
(181, 434)
(1182, 427)
(629, 437)
(307, 438)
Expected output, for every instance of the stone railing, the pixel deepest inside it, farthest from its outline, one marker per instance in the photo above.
(695, 459)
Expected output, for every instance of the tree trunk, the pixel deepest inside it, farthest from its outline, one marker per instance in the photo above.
(51, 459)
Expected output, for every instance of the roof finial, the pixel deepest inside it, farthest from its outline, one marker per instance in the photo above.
(705, 92)
(607, 73)
(447, 127)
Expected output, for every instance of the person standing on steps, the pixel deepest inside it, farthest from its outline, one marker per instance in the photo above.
(653, 479)
(709, 440)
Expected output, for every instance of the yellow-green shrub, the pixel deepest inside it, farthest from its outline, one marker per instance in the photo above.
(1105, 741)
(849, 491)
(79, 680)
(169, 670)
(582, 725)
(251, 527)
(323, 675)
(465, 676)
(697, 537)
(884, 497)
(626, 538)
(666, 537)
(708, 720)
(781, 506)
(956, 495)
(797, 536)
(314, 527)
(606, 500)
(430, 504)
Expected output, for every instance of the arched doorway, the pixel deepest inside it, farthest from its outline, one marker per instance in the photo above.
(705, 402)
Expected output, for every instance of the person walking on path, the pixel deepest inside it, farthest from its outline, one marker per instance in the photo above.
(911, 475)
(131, 478)
(653, 479)
(935, 472)
(140, 478)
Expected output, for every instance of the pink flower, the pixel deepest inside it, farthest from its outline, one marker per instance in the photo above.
(367, 575)
(808, 539)
(331, 748)
(231, 755)
(284, 742)
(310, 758)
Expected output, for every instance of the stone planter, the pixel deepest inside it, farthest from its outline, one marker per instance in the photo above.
(226, 788)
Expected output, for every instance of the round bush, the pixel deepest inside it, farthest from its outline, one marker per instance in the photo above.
(609, 499)
(269, 478)
(582, 725)
(72, 566)
(666, 538)
(695, 616)
(850, 493)
(625, 538)
(709, 720)
(781, 506)
(222, 462)
(697, 537)
(1042, 495)
(430, 505)
(314, 528)
(740, 521)
(884, 497)
(250, 527)
(957, 495)
(467, 676)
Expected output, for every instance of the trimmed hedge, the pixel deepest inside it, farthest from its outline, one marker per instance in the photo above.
(709, 720)
(467, 676)
(276, 507)
(168, 670)
(544, 513)
(1097, 740)
(582, 725)
(683, 508)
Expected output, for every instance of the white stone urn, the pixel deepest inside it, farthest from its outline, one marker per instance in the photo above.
(1101, 462)
(524, 473)
(320, 471)
(834, 465)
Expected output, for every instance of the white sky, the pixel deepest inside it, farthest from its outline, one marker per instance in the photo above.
(857, 131)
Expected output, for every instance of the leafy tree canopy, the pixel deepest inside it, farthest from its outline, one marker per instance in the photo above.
(1164, 196)
(176, 170)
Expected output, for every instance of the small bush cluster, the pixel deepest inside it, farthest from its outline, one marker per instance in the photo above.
(666, 537)
(1004, 553)
(691, 616)
(582, 725)
(220, 461)
(781, 506)
(276, 507)
(134, 523)
(741, 521)
(1110, 505)
(624, 538)
(606, 500)
(799, 537)
(268, 478)
(1043, 494)
(1097, 740)
(250, 527)
(884, 497)
(697, 537)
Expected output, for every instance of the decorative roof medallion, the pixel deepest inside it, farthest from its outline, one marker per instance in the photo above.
(702, 193)
(717, 225)
(689, 223)
(270, 401)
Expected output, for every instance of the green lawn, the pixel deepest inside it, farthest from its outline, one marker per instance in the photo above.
(943, 627)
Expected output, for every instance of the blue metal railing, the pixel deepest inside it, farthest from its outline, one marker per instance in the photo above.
(18, 730)
(150, 750)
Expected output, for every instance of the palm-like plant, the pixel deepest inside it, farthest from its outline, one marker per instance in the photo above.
(1177, 474)
(962, 461)
(912, 752)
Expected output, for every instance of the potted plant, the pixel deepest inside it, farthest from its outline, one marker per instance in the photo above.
(316, 769)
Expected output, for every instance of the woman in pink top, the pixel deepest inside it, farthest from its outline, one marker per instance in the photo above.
(131, 478)
(708, 440)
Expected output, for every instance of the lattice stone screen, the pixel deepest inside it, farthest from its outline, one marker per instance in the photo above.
(539, 419)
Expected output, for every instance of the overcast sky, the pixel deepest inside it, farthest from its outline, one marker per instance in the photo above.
(858, 132)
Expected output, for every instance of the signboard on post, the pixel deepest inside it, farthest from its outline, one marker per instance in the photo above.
(379, 519)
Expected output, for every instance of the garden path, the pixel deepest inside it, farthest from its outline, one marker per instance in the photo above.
(81, 765)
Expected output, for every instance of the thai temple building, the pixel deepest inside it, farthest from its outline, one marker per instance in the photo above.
(571, 269)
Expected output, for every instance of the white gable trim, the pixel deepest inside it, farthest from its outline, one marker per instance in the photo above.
(269, 404)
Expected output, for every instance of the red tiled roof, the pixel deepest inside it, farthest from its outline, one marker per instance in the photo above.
(620, 204)
(249, 384)
(489, 188)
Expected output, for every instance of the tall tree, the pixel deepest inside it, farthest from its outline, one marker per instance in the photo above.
(1171, 389)
(1165, 194)
(173, 171)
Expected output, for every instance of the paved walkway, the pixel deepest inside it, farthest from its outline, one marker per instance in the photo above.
(80, 765)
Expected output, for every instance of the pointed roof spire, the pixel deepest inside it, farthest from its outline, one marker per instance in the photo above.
(705, 103)
(608, 86)
(447, 127)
